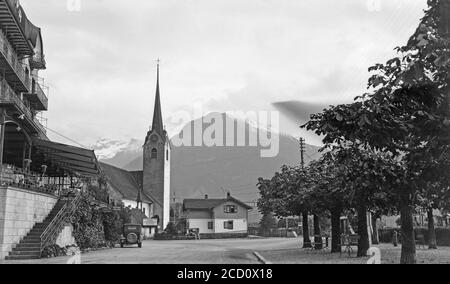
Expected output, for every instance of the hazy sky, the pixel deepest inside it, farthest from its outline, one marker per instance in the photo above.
(220, 54)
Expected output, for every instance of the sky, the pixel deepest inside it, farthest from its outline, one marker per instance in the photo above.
(220, 55)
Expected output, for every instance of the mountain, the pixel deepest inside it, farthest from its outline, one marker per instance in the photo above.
(116, 152)
(197, 171)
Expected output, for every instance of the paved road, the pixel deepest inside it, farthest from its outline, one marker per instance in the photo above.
(182, 252)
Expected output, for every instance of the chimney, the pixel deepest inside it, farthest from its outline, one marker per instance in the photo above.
(206, 196)
(229, 194)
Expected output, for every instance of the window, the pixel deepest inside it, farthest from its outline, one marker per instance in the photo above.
(210, 225)
(228, 225)
(167, 155)
(230, 209)
(154, 153)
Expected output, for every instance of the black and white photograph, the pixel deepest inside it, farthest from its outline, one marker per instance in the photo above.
(224, 137)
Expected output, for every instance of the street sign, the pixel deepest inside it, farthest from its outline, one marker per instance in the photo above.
(147, 222)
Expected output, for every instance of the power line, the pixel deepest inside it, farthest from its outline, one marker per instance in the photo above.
(65, 137)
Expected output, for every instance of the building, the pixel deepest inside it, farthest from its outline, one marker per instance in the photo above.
(157, 156)
(35, 173)
(148, 189)
(217, 216)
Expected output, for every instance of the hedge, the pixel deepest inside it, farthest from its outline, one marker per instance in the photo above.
(442, 235)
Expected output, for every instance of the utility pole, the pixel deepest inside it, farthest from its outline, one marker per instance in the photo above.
(302, 152)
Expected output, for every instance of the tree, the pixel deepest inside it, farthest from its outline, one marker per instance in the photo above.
(406, 114)
(285, 195)
(328, 193)
(268, 221)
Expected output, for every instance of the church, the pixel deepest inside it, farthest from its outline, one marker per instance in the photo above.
(147, 190)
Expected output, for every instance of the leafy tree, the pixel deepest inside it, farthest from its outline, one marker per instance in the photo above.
(268, 221)
(406, 113)
(285, 195)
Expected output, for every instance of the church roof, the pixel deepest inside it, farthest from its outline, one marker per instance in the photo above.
(129, 184)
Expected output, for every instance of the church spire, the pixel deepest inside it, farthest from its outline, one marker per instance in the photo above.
(157, 125)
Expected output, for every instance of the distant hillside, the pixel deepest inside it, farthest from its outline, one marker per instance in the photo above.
(197, 171)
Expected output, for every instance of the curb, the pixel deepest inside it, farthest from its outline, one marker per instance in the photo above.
(261, 258)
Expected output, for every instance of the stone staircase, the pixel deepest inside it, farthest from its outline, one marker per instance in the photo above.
(30, 246)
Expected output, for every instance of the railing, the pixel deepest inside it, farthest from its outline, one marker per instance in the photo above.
(16, 177)
(38, 60)
(8, 96)
(11, 56)
(53, 230)
(39, 92)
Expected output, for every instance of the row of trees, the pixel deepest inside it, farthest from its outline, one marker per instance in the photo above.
(386, 151)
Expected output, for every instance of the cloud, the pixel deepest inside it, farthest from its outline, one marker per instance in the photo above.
(223, 54)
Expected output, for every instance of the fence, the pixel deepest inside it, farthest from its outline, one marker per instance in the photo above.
(274, 233)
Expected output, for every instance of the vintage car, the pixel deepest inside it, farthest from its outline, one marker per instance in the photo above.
(132, 235)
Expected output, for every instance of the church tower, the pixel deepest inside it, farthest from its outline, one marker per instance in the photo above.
(156, 179)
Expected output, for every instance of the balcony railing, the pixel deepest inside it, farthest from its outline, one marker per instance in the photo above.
(38, 98)
(11, 57)
(38, 61)
(11, 176)
(9, 97)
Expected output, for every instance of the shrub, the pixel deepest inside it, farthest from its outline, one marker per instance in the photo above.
(171, 229)
(442, 235)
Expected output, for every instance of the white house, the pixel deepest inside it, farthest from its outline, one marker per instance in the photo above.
(217, 216)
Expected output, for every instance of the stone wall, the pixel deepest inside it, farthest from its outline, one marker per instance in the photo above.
(20, 210)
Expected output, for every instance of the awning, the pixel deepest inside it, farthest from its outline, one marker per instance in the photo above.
(61, 158)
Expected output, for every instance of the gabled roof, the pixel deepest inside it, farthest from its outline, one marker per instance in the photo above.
(125, 182)
(209, 204)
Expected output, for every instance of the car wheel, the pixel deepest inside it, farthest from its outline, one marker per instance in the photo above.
(140, 245)
(121, 245)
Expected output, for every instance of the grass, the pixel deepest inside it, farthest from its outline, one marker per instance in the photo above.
(389, 255)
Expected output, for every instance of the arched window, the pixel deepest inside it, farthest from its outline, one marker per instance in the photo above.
(154, 153)
(167, 155)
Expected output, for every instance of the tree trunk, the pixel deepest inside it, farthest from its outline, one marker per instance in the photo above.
(306, 239)
(336, 246)
(363, 243)
(317, 233)
(432, 244)
(408, 239)
(376, 235)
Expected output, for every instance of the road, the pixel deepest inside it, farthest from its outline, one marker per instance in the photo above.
(238, 251)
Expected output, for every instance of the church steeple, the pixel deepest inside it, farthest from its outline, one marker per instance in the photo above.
(157, 125)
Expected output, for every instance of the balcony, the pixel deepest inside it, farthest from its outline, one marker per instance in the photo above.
(37, 98)
(37, 61)
(12, 68)
(9, 99)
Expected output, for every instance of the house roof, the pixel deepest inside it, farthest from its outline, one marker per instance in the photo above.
(127, 183)
(208, 204)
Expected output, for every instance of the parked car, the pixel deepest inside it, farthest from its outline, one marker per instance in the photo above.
(132, 235)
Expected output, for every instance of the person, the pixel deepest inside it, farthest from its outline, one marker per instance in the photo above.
(395, 238)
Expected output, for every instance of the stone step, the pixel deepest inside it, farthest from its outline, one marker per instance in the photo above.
(29, 245)
(22, 257)
(32, 239)
(27, 252)
(27, 249)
